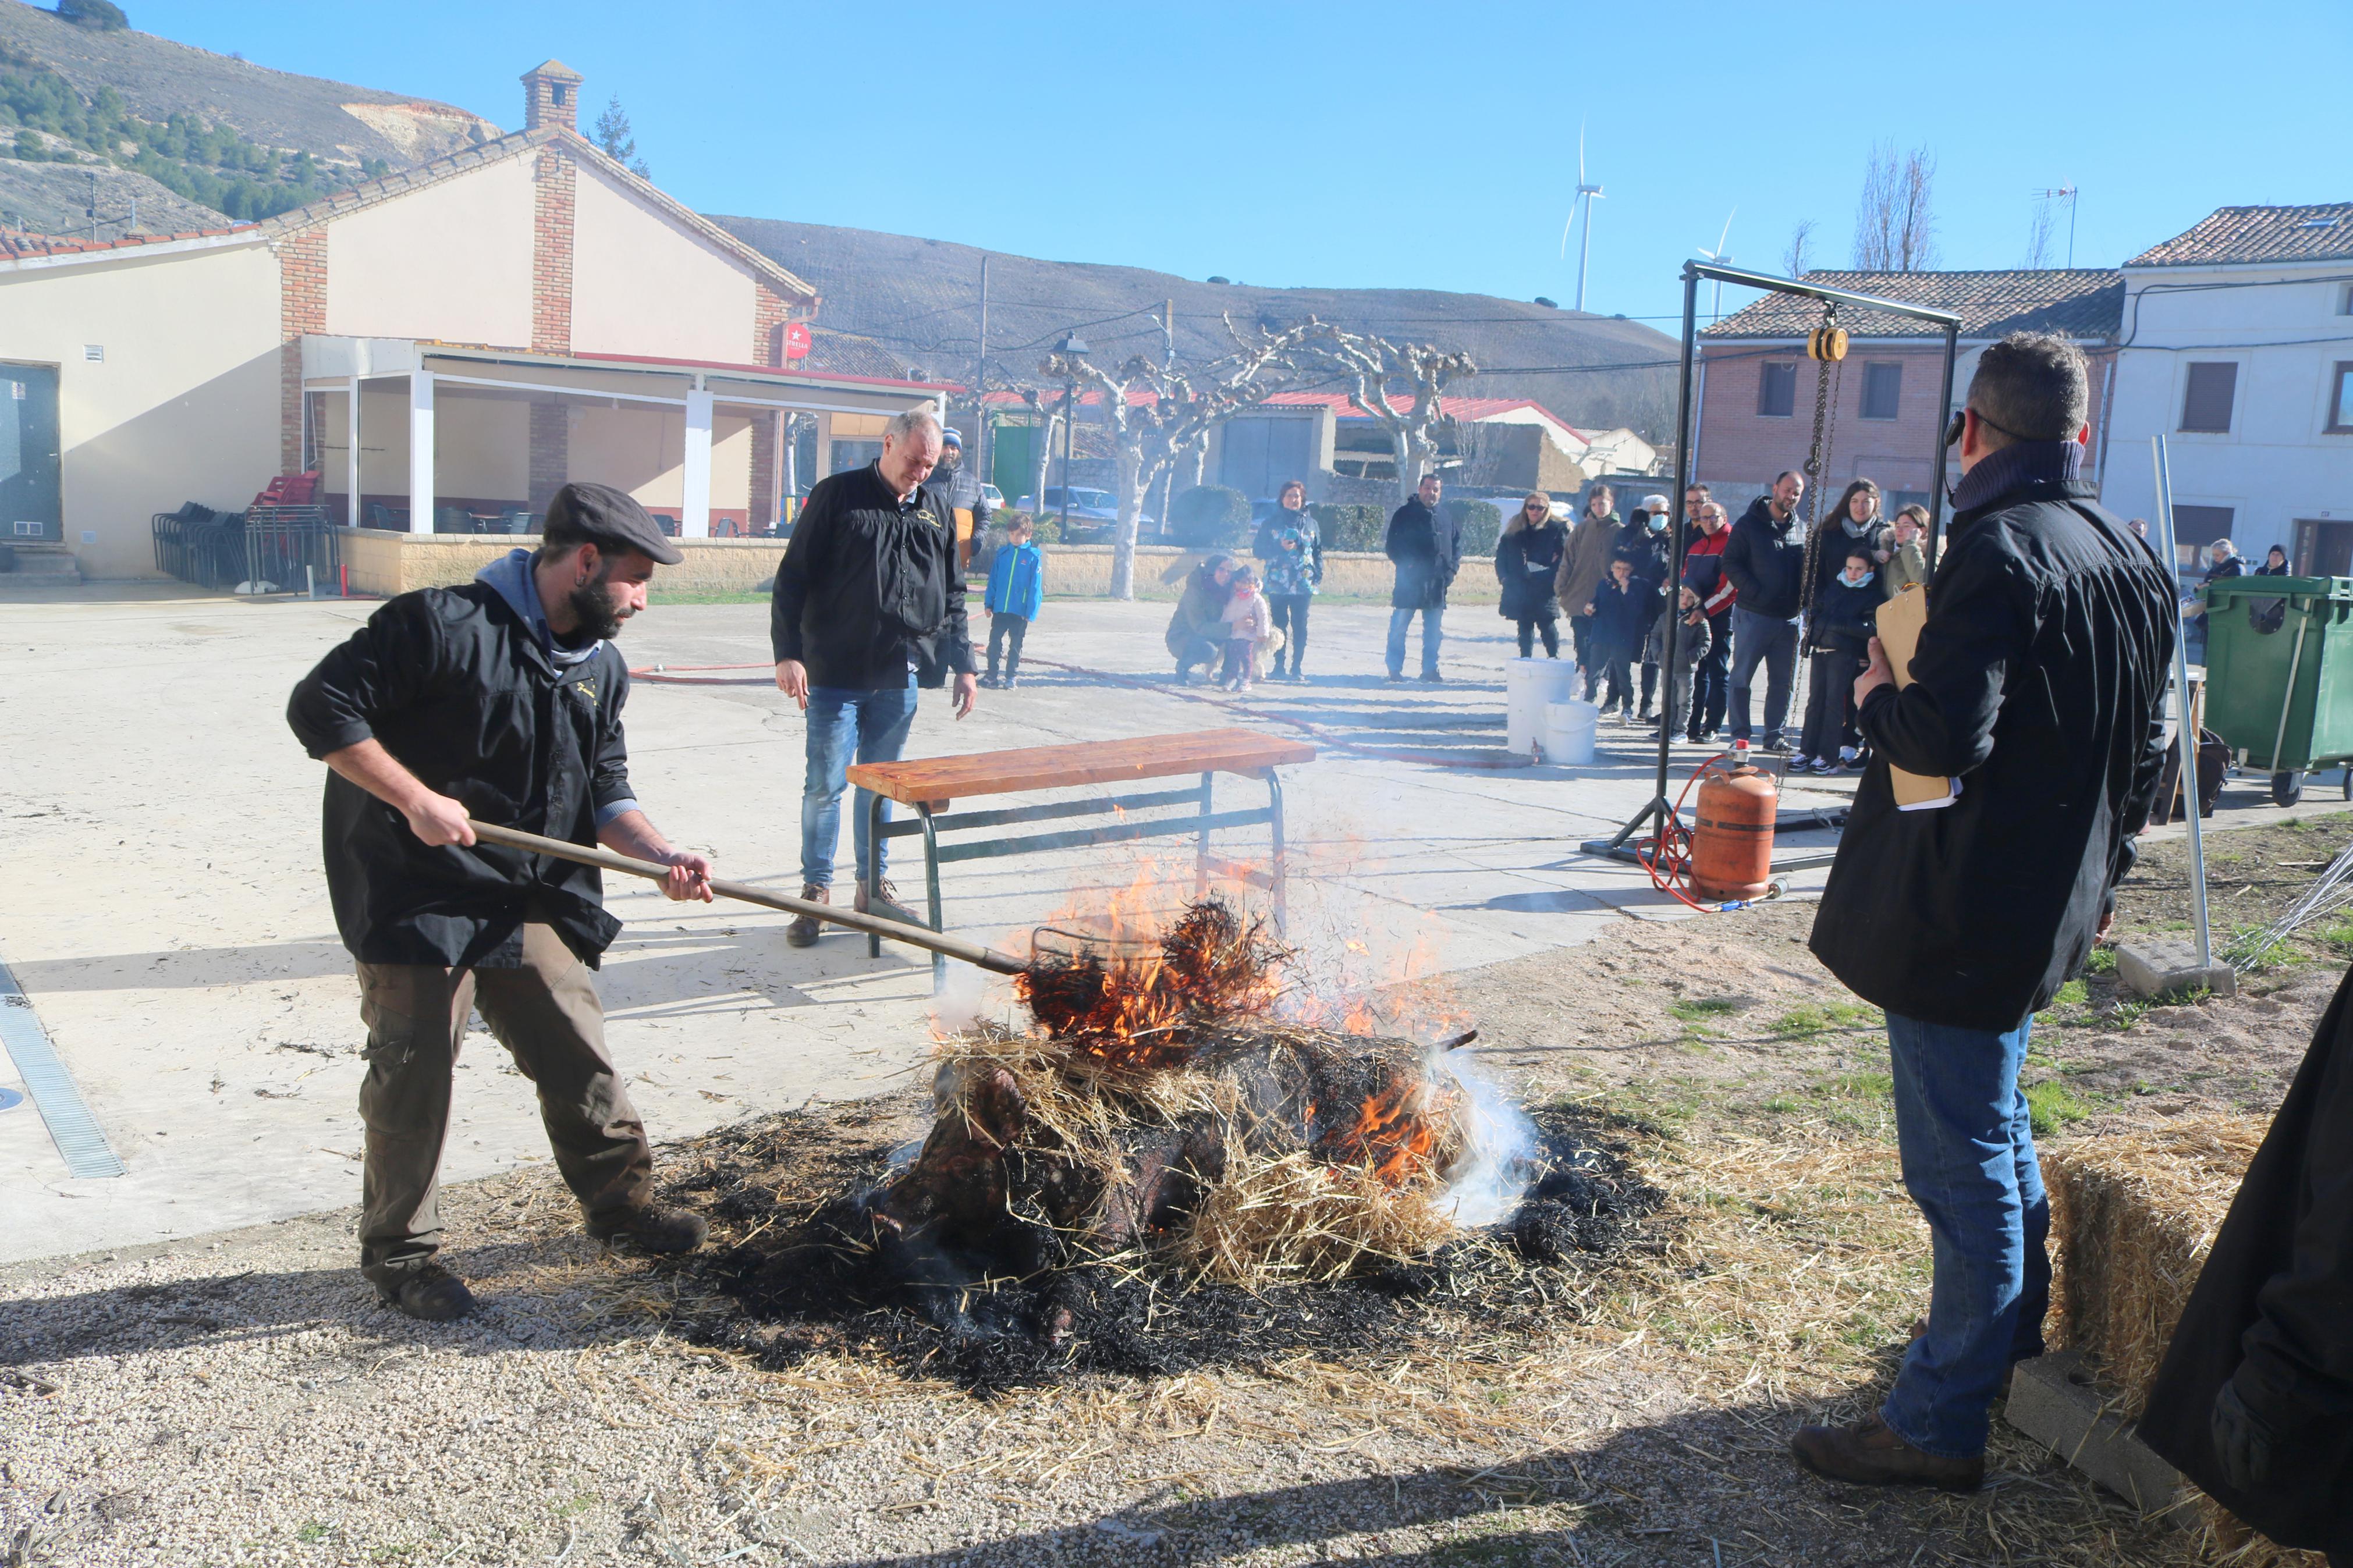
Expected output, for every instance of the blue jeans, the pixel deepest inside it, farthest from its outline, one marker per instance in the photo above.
(1772, 642)
(1400, 620)
(872, 723)
(1968, 1152)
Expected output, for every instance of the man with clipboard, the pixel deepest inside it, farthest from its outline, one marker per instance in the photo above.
(2029, 720)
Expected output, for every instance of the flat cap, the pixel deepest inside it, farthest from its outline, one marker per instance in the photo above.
(606, 517)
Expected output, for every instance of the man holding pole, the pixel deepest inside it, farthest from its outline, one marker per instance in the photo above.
(499, 700)
(2037, 689)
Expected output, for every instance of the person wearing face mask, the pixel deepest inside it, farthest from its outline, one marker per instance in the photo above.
(1646, 545)
(1843, 627)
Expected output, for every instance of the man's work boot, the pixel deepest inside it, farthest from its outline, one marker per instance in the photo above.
(655, 1227)
(1869, 1454)
(882, 898)
(430, 1294)
(803, 932)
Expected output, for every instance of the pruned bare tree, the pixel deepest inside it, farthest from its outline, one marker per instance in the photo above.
(1800, 254)
(1047, 409)
(1159, 415)
(1894, 227)
(1371, 366)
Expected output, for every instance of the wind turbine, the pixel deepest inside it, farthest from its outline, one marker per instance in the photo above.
(1722, 257)
(1589, 195)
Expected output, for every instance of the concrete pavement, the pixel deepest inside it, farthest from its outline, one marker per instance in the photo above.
(163, 908)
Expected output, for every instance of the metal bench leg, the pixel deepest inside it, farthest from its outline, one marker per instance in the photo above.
(932, 893)
(1201, 852)
(874, 847)
(1281, 879)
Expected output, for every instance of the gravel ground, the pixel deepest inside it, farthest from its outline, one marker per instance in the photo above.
(242, 1399)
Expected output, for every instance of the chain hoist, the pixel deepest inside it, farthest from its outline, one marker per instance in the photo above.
(1826, 346)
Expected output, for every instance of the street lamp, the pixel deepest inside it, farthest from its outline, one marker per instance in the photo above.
(1070, 348)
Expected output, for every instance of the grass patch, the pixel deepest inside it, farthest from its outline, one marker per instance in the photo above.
(2338, 933)
(2250, 948)
(1804, 1022)
(2051, 1105)
(2074, 993)
(2100, 961)
(1698, 1008)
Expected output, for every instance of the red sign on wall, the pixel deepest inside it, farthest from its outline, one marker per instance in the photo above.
(797, 340)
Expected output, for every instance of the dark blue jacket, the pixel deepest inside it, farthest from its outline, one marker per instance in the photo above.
(1766, 559)
(1844, 615)
(1623, 616)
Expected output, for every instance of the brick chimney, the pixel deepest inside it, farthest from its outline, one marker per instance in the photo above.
(551, 96)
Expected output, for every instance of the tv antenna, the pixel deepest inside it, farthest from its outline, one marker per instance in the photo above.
(2064, 194)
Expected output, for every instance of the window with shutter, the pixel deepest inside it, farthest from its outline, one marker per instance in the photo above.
(2206, 397)
(1883, 389)
(2195, 528)
(1777, 391)
(2340, 400)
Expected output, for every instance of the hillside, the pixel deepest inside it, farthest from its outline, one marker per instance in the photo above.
(229, 135)
(54, 198)
(921, 298)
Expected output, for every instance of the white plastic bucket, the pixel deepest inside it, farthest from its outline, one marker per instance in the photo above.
(1528, 685)
(1568, 733)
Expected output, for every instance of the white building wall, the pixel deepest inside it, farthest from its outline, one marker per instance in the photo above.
(2285, 328)
(450, 261)
(641, 286)
(183, 406)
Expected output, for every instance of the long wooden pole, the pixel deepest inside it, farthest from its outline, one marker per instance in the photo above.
(948, 946)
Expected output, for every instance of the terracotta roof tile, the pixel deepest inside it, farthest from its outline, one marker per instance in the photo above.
(2084, 302)
(2323, 233)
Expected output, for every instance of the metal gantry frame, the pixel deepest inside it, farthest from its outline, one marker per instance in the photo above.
(1660, 809)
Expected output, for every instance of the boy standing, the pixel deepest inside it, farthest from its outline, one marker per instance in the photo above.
(1621, 611)
(1017, 592)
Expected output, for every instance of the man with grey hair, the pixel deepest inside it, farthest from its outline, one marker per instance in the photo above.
(2037, 692)
(869, 604)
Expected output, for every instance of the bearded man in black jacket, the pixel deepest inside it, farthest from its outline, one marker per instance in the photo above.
(2037, 689)
(498, 701)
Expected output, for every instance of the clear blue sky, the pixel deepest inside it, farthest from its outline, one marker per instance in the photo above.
(1378, 143)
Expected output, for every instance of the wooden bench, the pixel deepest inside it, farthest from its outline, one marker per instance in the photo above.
(932, 784)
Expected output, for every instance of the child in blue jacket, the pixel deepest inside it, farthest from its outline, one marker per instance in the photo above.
(1017, 591)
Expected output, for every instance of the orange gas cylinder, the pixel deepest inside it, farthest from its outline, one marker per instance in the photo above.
(1731, 834)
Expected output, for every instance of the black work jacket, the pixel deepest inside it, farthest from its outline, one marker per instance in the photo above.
(2272, 1313)
(2038, 682)
(1527, 565)
(456, 685)
(868, 587)
(1427, 547)
(1766, 559)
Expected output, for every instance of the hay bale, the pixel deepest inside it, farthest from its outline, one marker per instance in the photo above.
(2132, 1217)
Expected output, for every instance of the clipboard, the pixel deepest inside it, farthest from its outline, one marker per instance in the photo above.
(1899, 622)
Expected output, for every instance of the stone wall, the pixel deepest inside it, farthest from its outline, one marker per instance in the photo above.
(381, 563)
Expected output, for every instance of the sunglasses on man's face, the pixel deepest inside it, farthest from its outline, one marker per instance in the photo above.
(1960, 420)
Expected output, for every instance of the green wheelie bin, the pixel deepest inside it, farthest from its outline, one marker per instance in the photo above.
(2279, 675)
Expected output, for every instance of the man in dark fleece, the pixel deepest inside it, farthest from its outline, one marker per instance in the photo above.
(1766, 562)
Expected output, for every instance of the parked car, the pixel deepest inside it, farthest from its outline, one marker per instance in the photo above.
(993, 496)
(1093, 513)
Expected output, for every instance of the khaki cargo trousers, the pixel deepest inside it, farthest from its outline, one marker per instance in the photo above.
(547, 1015)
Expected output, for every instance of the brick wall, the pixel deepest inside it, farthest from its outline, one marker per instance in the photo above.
(1739, 445)
(769, 313)
(302, 308)
(555, 192)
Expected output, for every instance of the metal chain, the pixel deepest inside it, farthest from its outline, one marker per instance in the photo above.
(1817, 457)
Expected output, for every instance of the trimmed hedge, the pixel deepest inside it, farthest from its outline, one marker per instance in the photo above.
(1482, 523)
(1211, 517)
(1350, 527)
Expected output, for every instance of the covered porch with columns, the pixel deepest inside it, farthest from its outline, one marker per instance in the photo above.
(428, 438)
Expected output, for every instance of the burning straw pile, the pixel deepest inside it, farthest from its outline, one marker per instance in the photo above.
(1163, 1172)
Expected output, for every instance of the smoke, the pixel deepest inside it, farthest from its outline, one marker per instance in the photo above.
(1497, 1162)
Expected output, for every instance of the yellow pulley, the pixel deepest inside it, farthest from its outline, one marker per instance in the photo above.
(1825, 344)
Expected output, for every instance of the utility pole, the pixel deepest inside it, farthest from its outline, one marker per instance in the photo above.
(93, 207)
(980, 382)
